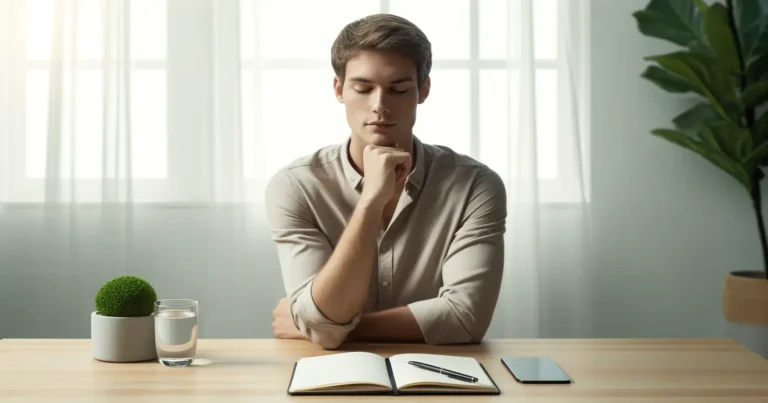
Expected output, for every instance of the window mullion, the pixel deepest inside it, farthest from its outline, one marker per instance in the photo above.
(6, 128)
(188, 99)
(474, 78)
(15, 120)
(259, 142)
(226, 138)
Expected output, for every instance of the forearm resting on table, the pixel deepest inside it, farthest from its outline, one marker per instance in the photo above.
(341, 287)
(396, 324)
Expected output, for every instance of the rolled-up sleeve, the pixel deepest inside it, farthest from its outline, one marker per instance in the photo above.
(471, 271)
(302, 250)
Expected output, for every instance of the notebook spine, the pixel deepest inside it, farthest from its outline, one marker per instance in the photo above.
(391, 377)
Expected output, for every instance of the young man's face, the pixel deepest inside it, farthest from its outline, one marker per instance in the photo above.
(380, 94)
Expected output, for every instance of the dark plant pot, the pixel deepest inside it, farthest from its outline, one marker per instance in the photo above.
(745, 297)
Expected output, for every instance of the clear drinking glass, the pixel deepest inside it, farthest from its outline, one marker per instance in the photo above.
(176, 331)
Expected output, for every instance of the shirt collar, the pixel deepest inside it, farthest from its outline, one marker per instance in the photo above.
(415, 178)
(353, 177)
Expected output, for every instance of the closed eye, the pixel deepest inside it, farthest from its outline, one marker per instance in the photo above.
(391, 89)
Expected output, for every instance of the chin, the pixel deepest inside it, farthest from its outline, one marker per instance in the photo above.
(380, 139)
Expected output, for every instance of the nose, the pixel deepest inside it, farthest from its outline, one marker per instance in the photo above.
(379, 105)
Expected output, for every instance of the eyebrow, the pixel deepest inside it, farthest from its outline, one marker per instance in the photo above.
(365, 80)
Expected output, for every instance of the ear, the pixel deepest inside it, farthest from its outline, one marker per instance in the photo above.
(424, 90)
(338, 89)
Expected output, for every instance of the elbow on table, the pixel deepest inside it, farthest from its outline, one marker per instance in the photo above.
(316, 327)
(326, 340)
(459, 335)
(478, 331)
(323, 332)
(444, 321)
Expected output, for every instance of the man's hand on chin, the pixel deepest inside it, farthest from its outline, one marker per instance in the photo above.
(282, 322)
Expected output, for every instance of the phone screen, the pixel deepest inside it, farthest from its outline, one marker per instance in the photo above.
(535, 370)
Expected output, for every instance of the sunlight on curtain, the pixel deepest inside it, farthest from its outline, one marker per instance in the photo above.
(193, 104)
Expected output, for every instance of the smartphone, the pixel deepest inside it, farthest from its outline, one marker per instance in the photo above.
(535, 370)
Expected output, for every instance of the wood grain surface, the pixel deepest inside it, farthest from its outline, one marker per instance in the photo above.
(258, 370)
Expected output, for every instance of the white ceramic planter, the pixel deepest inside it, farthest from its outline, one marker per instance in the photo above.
(123, 339)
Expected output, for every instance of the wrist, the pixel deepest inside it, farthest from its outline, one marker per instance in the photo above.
(371, 206)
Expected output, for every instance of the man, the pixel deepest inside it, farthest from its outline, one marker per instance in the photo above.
(384, 238)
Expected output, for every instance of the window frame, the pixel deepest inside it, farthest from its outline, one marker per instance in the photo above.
(30, 188)
(559, 190)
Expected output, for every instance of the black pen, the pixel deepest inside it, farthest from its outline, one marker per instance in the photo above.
(446, 372)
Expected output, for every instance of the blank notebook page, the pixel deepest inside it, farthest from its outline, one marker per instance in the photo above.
(407, 374)
(340, 369)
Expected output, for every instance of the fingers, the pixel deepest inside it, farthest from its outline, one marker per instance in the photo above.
(382, 150)
(400, 174)
(402, 171)
(396, 158)
(393, 157)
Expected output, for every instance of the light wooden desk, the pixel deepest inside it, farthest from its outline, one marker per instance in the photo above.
(604, 370)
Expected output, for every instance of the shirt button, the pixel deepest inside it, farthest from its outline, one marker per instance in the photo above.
(385, 283)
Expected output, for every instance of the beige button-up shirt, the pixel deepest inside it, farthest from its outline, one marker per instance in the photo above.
(442, 254)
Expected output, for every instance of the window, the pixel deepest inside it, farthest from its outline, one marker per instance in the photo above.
(469, 43)
(185, 57)
(290, 63)
(147, 38)
(46, 33)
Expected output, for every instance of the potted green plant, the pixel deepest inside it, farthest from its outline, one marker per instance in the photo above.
(123, 326)
(724, 64)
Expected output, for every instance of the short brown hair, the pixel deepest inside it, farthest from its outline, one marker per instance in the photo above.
(382, 32)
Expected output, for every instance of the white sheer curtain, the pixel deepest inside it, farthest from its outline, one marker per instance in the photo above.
(546, 286)
(126, 105)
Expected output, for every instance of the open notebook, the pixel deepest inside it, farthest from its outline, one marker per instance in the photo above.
(367, 373)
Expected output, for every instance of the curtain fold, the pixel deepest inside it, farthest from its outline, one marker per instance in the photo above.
(546, 284)
(226, 105)
(9, 74)
(63, 133)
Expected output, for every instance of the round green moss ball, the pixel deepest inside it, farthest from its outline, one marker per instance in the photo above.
(126, 296)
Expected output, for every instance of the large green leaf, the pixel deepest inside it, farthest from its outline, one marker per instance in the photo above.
(761, 124)
(744, 143)
(733, 140)
(700, 113)
(708, 76)
(668, 81)
(676, 21)
(704, 133)
(720, 37)
(731, 167)
(757, 156)
(752, 23)
(757, 70)
(755, 94)
(761, 128)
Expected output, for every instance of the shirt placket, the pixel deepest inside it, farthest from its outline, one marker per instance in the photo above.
(386, 255)
(385, 272)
